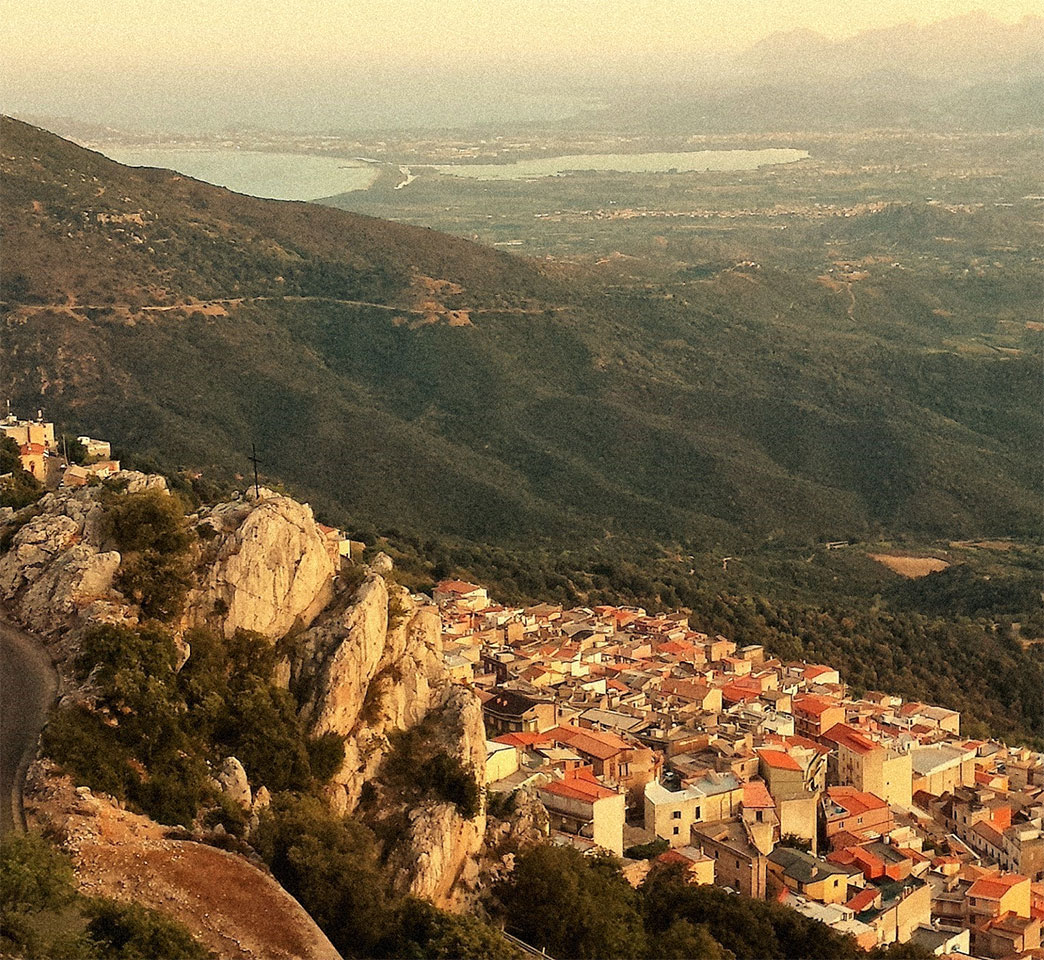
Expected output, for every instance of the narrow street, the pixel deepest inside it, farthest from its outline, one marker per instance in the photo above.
(28, 685)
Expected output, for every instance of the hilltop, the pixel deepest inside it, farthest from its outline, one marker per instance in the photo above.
(414, 380)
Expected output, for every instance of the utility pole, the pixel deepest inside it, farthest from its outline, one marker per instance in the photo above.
(253, 459)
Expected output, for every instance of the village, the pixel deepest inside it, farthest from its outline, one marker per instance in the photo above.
(47, 459)
(658, 743)
(649, 740)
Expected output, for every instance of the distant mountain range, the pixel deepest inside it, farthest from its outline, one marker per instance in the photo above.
(412, 379)
(970, 49)
(971, 72)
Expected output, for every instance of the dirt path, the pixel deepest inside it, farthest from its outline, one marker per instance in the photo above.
(29, 309)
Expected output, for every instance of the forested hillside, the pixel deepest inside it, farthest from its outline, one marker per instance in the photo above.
(403, 377)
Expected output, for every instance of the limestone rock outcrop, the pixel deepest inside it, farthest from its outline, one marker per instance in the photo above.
(438, 846)
(269, 568)
(57, 570)
(370, 666)
(365, 664)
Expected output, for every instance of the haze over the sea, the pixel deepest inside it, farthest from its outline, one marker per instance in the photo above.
(317, 64)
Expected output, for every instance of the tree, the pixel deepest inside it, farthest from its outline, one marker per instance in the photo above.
(329, 864)
(34, 875)
(746, 928)
(573, 906)
(419, 930)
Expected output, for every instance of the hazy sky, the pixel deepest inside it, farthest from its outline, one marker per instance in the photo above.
(149, 61)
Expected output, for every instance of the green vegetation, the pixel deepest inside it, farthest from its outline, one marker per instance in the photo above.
(157, 728)
(573, 906)
(151, 533)
(417, 769)
(330, 864)
(647, 851)
(42, 915)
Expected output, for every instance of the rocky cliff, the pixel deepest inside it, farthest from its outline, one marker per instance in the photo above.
(366, 661)
(59, 569)
(371, 667)
(267, 569)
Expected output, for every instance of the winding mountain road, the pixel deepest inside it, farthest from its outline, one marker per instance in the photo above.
(28, 684)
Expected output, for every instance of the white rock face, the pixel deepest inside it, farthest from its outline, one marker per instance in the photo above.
(439, 843)
(354, 645)
(271, 570)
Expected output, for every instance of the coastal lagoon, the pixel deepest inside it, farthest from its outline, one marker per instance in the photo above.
(309, 176)
(697, 160)
(276, 176)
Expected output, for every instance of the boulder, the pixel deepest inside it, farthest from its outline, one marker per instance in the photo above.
(232, 782)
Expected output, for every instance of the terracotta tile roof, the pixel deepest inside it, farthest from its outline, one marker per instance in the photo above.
(580, 786)
(863, 900)
(522, 739)
(855, 802)
(595, 743)
(850, 738)
(814, 705)
(756, 795)
(457, 586)
(738, 693)
(994, 887)
(686, 689)
(779, 760)
(817, 670)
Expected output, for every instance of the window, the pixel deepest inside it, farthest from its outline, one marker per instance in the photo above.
(676, 814)
(676, 830)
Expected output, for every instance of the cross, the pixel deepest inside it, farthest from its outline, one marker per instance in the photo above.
(253, 459)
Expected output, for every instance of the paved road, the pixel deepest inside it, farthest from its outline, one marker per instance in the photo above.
(28, 684)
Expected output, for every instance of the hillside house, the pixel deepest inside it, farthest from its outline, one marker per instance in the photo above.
(507, 711)
(578, 804)
(807, 875)
(871, 766)
(466, 596)
(28, 432)
(96, 449)
(32, 457)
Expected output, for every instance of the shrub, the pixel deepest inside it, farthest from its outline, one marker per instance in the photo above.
(448, 779)
(325, 754)
(129, 931)
(416, 768)
(572, 905)
(418, 929)
(34, 876)
(150, 531)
